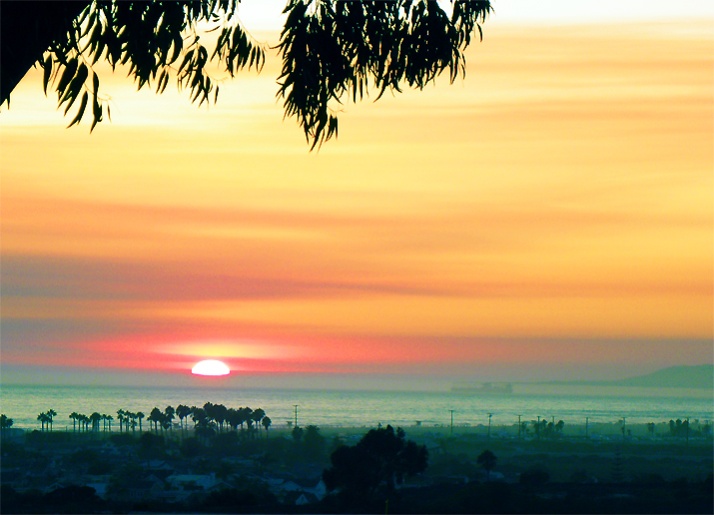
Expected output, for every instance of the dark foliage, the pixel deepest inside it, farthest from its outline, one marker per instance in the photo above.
(382, 458)
(487, 460)
(70, 499)
(330, 49)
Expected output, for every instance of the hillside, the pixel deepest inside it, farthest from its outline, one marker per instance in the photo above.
(699, 376)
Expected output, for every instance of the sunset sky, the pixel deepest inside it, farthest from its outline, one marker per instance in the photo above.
(551, 216)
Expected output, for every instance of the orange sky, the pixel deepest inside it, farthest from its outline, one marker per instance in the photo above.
(552, 215)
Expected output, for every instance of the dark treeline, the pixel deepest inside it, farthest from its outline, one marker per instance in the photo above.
(207, 420)
(214, 459)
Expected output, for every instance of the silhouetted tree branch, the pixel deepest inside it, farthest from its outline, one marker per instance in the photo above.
(330, 49)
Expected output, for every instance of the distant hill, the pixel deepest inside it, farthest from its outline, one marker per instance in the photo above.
(698, 376)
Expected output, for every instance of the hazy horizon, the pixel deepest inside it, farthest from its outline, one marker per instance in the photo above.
(47, 376)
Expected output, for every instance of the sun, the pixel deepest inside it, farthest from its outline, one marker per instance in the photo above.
(210, 367)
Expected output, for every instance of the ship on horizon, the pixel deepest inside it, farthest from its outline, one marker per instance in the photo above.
(484, 389)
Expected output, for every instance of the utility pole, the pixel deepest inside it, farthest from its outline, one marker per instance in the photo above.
(452, 422)
(296, 414)
(489, 424)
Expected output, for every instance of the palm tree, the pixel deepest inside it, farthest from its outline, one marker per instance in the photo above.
(182, 411)
(94, 418)
(169, 417)
(210, 410)
(257, 416)
(50, 415)
(140, 415)
(130, 421)
(245, 414)
(487, 460)
(155, 417)
(120, 416)
(5, 423)
(73, 416)
(220, 414)
(109, 422)
(42, 417)
(199, 417)
(232, 418)
(266, 424)
(83, 422)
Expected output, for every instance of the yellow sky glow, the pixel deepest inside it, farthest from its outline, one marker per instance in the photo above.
(563, 191)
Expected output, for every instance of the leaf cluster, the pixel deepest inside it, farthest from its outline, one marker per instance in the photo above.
(156, 41)
(330, 49)
(335, 48)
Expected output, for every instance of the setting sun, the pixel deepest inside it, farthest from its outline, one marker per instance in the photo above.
(210, 367)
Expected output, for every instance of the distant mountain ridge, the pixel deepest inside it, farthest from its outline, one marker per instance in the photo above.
(696, 376)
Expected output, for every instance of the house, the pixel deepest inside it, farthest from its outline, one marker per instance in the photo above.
(290, 489)
(300, 498)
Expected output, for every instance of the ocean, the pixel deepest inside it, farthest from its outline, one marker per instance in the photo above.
(353, 408)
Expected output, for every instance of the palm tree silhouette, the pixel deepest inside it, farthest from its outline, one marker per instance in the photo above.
(266, 424)
(220, 412)
(135, 420)
(83, 422)
(182, 411)
(50, 416)
(232, 418)
(168, 417)
(487, 460)
(42, 417)
(245, 414)
(199, 416)
(257, 416)
(140, 415)
(73, 416)
(210, 409)
(155, 417)
(120, 417)
(94, 418)
(5, 423)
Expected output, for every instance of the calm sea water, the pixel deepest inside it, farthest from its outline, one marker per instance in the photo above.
(349, 408)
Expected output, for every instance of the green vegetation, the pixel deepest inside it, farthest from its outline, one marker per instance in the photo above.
(379, 462)
(219, 459)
